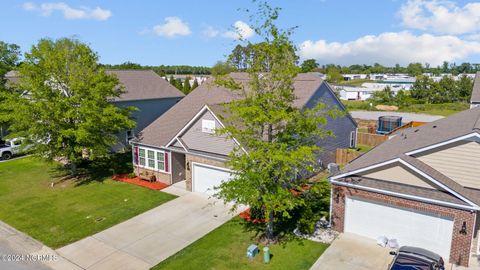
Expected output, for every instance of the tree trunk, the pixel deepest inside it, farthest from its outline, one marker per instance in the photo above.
(73, 169)
(270, 234)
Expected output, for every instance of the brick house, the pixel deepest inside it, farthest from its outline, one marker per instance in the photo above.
(421, 187)
(182, 145)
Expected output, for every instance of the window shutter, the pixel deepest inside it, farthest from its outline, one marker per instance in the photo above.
(135, 155)
(166, 162)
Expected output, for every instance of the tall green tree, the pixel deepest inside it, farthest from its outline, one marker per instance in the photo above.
(187, 88)
(68, 110)
(309, 65)
(194, 84)
(9, 60)
(278, 139)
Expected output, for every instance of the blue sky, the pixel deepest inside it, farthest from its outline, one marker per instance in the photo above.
(203, 32)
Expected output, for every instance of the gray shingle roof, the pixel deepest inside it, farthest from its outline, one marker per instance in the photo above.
(162, 130)
(476, 89)
(403, 189)
(138, 85)
(439, 131)
(144, 84)
(411, 139)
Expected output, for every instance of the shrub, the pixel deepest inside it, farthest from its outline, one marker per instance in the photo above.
(132, 175)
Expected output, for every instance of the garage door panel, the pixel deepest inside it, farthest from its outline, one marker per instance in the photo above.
(409, 227)
(205, 178)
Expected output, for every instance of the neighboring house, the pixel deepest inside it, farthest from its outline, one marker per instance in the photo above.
(149, 93)
(181, 144)
(421, 187)
(145, 90)
(475, 99)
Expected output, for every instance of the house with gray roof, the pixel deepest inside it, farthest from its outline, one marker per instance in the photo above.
(182, 144)
(475, 99)
(421, 187)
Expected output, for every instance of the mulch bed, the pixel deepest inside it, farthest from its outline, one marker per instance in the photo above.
(246, 216)
(139, 182)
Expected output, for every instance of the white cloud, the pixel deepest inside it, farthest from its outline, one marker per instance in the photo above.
(441, 16)
(391, 48)
(242, 31)
(69, 13)
(172, 27)
(210, 32)
(28, 6)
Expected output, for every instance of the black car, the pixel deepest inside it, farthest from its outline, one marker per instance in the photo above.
(413, 258)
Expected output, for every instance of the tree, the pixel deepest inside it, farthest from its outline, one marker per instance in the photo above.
(415, 69)
(309, 65)
(186, 85)
(334, 75)
(279, 138)
(9, 60)
(67, 112)
(383, 97)
(195, 84)
(464, 88)
(222, 68)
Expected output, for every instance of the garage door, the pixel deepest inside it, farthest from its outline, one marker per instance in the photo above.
(409, 227)
(205, 178)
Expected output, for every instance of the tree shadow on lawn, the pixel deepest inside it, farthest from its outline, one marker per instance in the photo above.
(283, 230)
(95, 170)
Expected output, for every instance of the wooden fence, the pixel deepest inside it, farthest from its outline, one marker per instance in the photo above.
(345, 155)
(370, 139)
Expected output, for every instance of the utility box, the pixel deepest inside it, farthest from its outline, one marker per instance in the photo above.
(252, 251)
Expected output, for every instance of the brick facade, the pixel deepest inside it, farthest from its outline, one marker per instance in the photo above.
(146, 174)
(461, 243)
(189, 159)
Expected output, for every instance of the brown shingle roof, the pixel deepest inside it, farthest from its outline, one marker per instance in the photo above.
(144, 84)
(162, 130)
(476, 89)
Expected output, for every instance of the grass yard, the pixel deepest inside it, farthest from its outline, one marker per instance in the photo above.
(70, 211)
(225, 248)
(445, 109)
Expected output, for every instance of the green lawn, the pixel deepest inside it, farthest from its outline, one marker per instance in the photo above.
(70, 211)
(225, 248)
(445, 109)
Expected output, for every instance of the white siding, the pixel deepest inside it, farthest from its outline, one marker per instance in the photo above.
(459, 161)
(398, 174)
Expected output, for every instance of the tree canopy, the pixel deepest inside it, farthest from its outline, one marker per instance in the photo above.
(279, 150)
(67, 110)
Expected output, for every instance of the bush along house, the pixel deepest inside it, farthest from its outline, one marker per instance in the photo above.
(182, 144)
(421, 187)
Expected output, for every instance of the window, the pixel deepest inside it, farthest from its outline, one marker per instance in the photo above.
(161, 161)
(208, 126)
(353, 139)
(151, 159)
(141, 156)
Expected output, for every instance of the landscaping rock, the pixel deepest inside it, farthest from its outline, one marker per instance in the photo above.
(322, 233)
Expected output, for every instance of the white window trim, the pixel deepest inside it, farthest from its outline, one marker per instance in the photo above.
(156, 151)
(208, 122)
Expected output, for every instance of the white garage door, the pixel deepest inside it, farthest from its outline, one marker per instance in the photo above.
(409, 227)
(205, 178)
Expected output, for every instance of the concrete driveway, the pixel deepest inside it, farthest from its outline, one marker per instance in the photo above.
(353, 252)
(151, 237)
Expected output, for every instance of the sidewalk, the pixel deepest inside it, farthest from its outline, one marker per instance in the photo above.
(14, 242)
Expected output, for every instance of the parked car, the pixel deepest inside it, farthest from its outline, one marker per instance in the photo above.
(414, 258)
(11, 148)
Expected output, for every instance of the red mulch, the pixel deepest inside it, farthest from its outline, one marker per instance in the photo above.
(246, 215)
(139, 182)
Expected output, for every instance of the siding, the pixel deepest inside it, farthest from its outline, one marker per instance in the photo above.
(195, 139)
(459, 161)
(398, 174)
(148, 111)
(341, 126)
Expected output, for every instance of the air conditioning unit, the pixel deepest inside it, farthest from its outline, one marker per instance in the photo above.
(333, 168)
